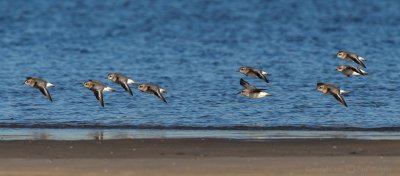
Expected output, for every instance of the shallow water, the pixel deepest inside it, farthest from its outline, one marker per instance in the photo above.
(254, 135)
(194, 49)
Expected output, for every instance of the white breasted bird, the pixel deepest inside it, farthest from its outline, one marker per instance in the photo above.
(98, 88)
(255, 72)
(40, 84)
(153, 89)
(348, 70)
(349, 56)
(251, 91)
(122, 80)
(331, 89)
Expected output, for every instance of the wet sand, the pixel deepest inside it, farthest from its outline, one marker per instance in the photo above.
(200, 157)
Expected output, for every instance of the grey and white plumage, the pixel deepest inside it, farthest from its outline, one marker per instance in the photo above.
(349, 56)
(40, 84)
(255, 72)
(251, 91)
(122, 80)
(153, 89)
(331, 89)
(98, 88)
(348, 70)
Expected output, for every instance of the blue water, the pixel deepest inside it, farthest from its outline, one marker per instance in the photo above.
(194, 49)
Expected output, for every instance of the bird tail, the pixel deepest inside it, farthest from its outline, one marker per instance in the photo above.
(343, 92)
(108, 89)
(265, 94)
(49, 85)
(361, 58)
(163, 91)
(363, 72)
(131, 81)
(265, 73)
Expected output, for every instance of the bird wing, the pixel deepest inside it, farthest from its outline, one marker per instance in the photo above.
(99, 96)
(45, 92)
(156, 92)
(355, 58)
(246, 85)
(126, 87)
(259, 74)
(338, 97)
(256, 90)
(357, 70)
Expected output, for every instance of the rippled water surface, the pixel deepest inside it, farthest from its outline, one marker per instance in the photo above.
(194, 49)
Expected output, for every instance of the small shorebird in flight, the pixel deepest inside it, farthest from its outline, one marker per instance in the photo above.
(122, 80)
(349, 56)
(153, 89)
(98, 88)
(348, 70)
(331, 89)
(255, 72)
(40, 84)
(251, 91)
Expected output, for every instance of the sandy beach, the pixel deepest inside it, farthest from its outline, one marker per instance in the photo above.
(199, 157)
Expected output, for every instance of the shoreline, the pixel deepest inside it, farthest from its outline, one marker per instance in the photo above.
(9, 134)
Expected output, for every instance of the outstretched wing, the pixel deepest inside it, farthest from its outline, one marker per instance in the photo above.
(259, 74)
(338, 97)
(45, 92)
(246, 85)
(126, 87)
(357, 70)
(99, 96)
(156, 92)
(355, 58)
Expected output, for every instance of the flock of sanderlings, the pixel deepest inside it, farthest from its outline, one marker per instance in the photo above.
(348, 71)
(98, 88)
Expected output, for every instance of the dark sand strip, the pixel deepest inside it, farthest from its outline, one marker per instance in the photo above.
(221, 166)
(205, 157)
(194, 148)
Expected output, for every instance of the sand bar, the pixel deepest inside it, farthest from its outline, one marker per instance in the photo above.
(200, 157)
